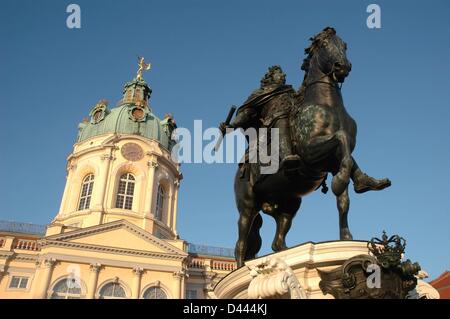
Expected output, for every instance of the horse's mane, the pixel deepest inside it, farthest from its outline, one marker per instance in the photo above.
(309, 51)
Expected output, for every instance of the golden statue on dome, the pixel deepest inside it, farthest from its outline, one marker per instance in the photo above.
(142, 67)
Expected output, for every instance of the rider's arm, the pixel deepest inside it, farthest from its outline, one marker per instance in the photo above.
(245, 118)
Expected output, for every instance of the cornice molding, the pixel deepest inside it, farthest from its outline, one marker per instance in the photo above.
(6, 254)
(112, 250)
(26, 257)
(76, 155)
(112, 262)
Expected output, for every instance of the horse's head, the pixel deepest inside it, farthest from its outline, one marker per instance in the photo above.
(274, 76)
(329, 52)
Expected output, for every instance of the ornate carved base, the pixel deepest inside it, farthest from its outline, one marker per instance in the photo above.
(327, 270)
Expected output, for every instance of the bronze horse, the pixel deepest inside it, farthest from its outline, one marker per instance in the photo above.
(324, 136)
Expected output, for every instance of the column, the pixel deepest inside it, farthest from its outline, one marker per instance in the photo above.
(100, 182)
(148, 195)
(35, 282)
(63, 206)
(179, 284)
(93, 280)
(136, 284)
(175, 206)
(46, 276)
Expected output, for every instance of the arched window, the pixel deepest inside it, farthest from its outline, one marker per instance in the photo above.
(112, 290)
(86, 192)
(125, 192)
(159, 203)
(66, 289)
(154, 293)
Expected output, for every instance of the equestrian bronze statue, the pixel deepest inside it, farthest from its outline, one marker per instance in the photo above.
(316, 137)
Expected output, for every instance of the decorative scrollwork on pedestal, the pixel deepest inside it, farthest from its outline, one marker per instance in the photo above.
(274, 279)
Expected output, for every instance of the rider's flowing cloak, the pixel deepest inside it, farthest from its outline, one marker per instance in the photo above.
(250, 167)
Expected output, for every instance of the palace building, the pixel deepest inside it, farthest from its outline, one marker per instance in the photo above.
(115, 235)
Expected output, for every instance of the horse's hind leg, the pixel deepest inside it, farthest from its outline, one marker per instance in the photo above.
(254, 240)
(245, 227)
(283, 217)
(343, 204)
(249, 241)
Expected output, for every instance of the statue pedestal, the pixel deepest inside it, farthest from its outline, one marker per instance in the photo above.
(292, 273)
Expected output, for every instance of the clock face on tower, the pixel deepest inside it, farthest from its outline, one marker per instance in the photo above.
(132, 152)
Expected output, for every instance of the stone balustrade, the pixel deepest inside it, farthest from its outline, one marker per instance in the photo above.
(197, 263)
(212, 264)
(223, 265)
(26, 244)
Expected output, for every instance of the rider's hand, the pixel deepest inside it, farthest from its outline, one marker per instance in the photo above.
(222, 127)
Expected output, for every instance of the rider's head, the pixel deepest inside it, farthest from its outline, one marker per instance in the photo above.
(275, 76)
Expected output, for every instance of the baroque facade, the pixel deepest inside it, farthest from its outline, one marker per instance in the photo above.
(115, 234)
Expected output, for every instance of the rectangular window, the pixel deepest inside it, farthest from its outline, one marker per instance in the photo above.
(86, 192)
(125, 192)
(19, 282)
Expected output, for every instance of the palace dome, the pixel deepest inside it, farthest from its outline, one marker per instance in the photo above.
(132, 116)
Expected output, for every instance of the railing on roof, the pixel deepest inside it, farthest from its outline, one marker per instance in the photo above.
(197, 263)
(210, 250)
(211, 264)
(223, 265)
(26, 244)
(23, 228)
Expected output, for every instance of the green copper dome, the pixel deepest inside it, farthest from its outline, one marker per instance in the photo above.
(131, 116)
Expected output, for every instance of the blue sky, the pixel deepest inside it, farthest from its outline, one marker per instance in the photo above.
(207, 55)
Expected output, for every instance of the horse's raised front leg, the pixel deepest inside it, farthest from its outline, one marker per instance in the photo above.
(283, 217)
(342, 178)
(343, 205)
(363, 182)
(320, 148)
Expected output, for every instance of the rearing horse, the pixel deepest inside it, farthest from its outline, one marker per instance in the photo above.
(324, 136)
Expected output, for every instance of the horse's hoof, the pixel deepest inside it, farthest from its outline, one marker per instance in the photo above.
(339, 184)
(346, 235)
(277, 248)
